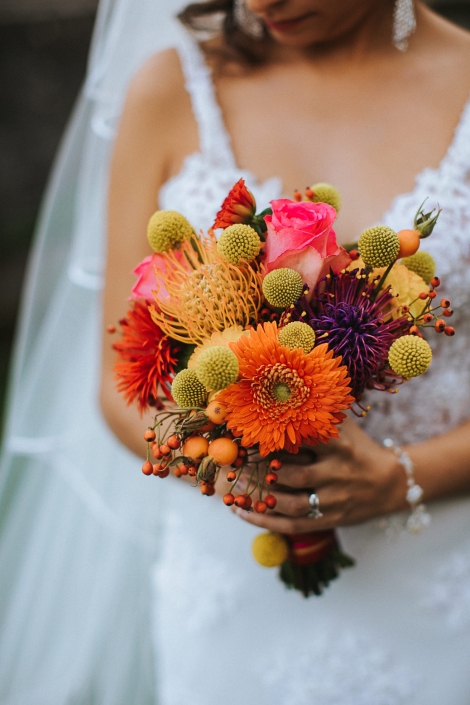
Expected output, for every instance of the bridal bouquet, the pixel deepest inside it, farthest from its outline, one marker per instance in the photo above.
(263, 338)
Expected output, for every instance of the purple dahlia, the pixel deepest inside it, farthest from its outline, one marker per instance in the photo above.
(355, 325)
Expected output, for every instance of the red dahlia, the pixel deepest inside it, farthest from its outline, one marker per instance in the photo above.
(238, 207)
(146, 359)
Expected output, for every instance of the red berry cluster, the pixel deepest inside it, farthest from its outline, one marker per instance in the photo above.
(428, 318)
(244, 500)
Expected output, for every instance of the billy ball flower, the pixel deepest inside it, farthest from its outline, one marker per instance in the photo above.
(270, 550)
(167, 230)
(410, 356)
(326, 193)
(239, 242)
(297, 335)
(422, 263)
(187, 391)
(217, 367)
(282, 287)
(379, 246)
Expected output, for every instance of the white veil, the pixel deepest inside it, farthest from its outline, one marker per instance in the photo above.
(78, 527)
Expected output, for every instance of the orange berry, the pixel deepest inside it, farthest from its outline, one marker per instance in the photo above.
(424, 295)
(238, 462)
(248, 502)
(427, 318)
(240, 501)
(409, 242)
(271, 478)
(260, 506)
(448, 330)
(196, 448)
(177, 472)
(440, 325)
(432, 294)
(183, 468)
(414, 330)
(354, 254)
(216, 412)
(156, 468)
(242, 453)
(147, 468)
(164, 473)
(165, 449)
(156, 451)
(210, 491)
(192, 471)
(111, 329)
(270, 501)
(149, 435)
(229, 499)
(447, 312)
(275, 464)
(445, 303)
(231, 476)
(224, 451)
(309, 193)
(405, 308)
(297, 196)
(435, 282)
(173, 442)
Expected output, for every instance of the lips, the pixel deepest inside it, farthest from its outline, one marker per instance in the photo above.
(285, 25)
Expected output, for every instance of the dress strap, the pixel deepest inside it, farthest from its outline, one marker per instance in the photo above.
(214, 139)
(456, 163)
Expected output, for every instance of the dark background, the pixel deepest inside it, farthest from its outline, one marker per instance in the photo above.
(43, 53)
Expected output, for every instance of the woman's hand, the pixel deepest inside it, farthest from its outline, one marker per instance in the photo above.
(355, 480)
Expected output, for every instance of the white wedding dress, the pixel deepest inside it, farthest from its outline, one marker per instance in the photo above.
(137, 591)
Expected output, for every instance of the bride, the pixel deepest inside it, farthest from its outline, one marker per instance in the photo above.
(289, 92)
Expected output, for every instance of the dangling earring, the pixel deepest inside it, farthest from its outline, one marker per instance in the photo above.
(404, 23)
(247, 20)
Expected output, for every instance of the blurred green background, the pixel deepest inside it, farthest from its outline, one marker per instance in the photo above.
(43, 52)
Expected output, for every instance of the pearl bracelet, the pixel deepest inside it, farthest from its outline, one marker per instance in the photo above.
(419, 518)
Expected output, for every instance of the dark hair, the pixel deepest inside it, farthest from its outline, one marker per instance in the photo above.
(238, 46)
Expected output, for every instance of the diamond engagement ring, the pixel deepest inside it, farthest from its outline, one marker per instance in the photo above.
(314, 503)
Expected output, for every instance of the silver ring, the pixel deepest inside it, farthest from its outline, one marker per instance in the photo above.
(314, 503)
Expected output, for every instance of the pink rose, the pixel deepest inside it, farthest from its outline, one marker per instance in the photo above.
(300, 236)
(148, 276)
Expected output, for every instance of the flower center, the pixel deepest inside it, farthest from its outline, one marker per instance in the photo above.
(281, 392)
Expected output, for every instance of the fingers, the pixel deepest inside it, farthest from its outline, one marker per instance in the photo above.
(297, 504)
(288, 525)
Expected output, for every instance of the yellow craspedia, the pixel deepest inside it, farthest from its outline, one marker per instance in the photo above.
(297, 335)
(167, 230)
(282, 287)
(410, 356)
(379, 246)
(187, 391)
(239, 242)
(422, 263)
(217, 367)
(270, 550)
(326, 193)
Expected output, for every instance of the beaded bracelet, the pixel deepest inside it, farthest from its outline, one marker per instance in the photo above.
(419, 518)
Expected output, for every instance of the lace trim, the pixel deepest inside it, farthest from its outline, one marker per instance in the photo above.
(214, 139)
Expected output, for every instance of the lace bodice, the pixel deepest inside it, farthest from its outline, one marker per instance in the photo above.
(440, 399)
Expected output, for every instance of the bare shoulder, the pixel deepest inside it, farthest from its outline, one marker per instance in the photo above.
(159, 83)
(158, 110)
(448, 39)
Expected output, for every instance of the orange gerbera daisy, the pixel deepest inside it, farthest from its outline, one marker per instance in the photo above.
(284, 397)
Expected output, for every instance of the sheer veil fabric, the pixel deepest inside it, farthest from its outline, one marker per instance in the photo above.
(77, 528)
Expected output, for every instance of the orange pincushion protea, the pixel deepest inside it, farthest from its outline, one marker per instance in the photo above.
(238, 207)
(284, 397)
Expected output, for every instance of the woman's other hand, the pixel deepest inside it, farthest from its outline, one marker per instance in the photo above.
(354, 478)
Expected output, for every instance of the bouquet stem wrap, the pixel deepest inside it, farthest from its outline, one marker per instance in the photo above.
(315, 559)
